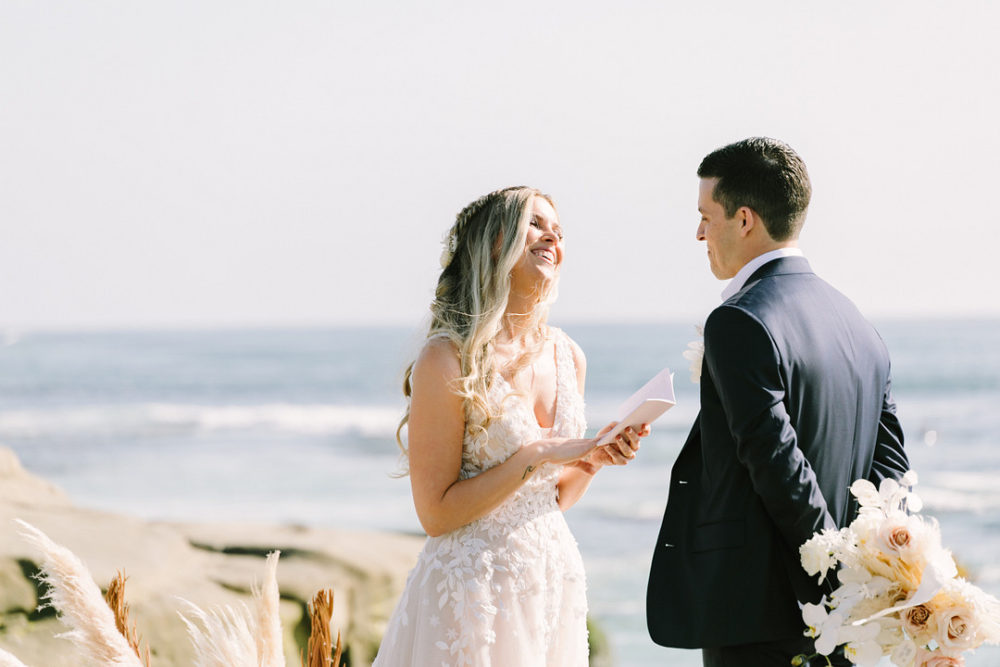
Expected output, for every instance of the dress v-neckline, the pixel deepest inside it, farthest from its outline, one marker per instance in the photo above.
(549, 430)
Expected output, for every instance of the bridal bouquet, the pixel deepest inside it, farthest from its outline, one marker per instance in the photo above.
(900, 594)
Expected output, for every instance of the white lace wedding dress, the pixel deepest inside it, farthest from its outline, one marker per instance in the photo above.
(508, 589)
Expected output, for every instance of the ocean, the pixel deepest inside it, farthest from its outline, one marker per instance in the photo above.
(298, 426)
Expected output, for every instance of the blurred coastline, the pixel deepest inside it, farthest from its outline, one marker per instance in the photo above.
(297, 427)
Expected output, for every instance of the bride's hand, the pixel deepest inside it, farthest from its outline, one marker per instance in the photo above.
(622, 449)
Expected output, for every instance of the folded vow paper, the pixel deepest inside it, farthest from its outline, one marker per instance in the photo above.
(644, 406)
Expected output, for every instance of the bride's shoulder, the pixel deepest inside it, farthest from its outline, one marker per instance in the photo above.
(579, 358)
(438, 358)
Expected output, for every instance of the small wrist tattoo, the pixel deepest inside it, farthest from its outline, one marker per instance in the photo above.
(527, 470)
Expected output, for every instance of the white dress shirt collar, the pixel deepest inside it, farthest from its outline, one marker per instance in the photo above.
(740, 279)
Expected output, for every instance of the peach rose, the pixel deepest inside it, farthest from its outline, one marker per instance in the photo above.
(895, 537)
(935, 659)
(956, 629)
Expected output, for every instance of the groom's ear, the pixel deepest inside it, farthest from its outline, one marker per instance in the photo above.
(747, 220)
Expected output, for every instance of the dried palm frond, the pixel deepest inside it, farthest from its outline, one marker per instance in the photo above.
(320, 642)
(225, 637)
(72, 591)
(266, 599)
(9, 660)
(115, 597)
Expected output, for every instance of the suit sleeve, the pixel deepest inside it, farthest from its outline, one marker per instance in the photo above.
(746, 369)
(890, 460)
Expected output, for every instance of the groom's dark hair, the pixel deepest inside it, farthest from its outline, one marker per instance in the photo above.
(765, 175)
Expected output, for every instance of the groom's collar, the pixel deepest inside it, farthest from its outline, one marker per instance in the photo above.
(743, 275)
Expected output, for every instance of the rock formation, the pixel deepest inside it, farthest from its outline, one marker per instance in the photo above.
(208, 564)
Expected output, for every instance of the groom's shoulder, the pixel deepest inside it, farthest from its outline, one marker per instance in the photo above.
(781, 298)
(757, 297)
(772, 297)
(789, 282)
(732, 317)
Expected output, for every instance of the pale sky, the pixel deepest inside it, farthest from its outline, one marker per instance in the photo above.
(191, 163)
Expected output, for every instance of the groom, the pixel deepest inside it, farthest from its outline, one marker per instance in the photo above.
(795, 406)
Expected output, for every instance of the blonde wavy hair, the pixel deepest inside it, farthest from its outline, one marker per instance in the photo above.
(481, 249)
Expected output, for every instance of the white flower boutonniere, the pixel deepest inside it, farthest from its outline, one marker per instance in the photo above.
(695, 353)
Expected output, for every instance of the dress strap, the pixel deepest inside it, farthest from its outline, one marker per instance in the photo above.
(566, 385)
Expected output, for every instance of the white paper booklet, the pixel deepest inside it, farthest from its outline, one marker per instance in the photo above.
(644, 406)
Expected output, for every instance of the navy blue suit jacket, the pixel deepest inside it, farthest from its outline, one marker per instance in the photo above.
(795, 406)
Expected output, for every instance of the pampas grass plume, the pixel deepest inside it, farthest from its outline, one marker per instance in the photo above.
(266, 599)
(224, 638)
(8, 660)
(78, 599)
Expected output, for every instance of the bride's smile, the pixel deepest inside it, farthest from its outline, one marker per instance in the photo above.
(543, 248)
(545, 254)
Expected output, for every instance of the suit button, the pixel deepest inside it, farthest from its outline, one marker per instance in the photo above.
(668, 545)
(682, 481)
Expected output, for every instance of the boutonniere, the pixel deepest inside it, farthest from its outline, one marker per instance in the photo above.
(695, 353)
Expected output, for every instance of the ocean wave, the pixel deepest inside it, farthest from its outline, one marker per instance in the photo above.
(154, 418)
(960, 492)
(639, 512)
(936, 500)
(163, 418)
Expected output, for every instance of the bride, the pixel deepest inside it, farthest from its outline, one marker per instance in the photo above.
(496, 453)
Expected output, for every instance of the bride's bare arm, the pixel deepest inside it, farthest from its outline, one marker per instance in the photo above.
(435, 432)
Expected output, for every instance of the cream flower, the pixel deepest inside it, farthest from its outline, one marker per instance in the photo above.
(695, 354)
(862, 647)
(867, 494)
(891, 635)
(819, 553)
(822, 625)
(856, 585)
(890, 494)
(904, 654)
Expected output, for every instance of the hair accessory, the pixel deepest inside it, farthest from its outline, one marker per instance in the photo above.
(461, 220)
(450, 243)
